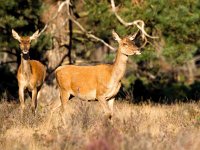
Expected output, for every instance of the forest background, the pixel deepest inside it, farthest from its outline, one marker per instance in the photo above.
(166, 71)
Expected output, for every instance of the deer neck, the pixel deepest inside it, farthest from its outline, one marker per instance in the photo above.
(26, 66)
(119, 66)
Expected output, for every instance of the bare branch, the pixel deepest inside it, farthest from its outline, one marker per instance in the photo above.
(89, 35)
(8, 62)
(50, 72)
(61, 5)
(138, 23)
(9, 52)
(67, 2)
(195, 58)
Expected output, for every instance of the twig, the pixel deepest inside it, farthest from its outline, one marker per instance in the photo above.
(7, 62)
(50, 72)
(138, 23)
(89, 35)
(9, 52)
(55, 16)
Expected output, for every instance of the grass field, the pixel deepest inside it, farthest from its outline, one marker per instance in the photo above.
(84, 127)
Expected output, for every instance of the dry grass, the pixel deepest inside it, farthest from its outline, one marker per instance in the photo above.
(84, 126)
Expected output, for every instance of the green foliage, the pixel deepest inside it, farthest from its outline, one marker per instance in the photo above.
(175, 22)
(8, 82)
(147, 55)
(99, 18)
(177, 54)
(178, 22)
(24, 17)
(21, 15)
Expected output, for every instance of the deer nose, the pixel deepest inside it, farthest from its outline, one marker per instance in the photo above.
(26, 47)
(138, 53)
(25, 51)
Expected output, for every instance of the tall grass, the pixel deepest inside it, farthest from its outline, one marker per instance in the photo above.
(84, 126)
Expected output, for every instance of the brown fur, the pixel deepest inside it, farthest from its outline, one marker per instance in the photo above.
(100, 82)
(36, 77)
(31, 73)
(82, 80)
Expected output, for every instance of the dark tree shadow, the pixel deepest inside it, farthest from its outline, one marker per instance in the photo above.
(8, 86)
(164, 93)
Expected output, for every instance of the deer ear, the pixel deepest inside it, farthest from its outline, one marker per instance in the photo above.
(116, 36)
(35, 35)
(15, 35)
(132, 37)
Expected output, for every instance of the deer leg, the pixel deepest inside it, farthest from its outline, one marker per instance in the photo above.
(110, 105)
(38, 93)
(21, 98)
(64, 97)
(105, 106)
(34, 100)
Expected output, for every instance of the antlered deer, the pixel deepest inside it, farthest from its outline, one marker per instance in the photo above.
(101, 82)
(31, 73)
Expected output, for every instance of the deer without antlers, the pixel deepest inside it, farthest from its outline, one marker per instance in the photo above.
(31, 73)
(101, 82)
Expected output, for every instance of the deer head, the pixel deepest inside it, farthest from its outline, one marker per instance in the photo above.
(25, 41)
(126, 45)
